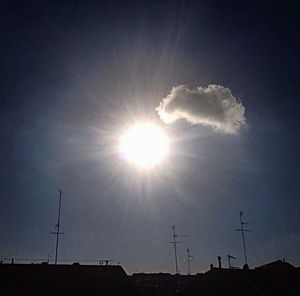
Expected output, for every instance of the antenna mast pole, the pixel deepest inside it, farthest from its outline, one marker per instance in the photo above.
(57, 233)
(243, 230)
(175, 248)
(175, 242)
(189, 261)
(58, 224)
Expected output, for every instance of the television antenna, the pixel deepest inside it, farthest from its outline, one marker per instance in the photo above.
(229, 257)
(175, 242)
(57, 226)
(189, 257)
(243, 230)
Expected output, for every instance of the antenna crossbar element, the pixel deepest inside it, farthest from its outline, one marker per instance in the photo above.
(175, 242)
(57, 226)
(243, 230)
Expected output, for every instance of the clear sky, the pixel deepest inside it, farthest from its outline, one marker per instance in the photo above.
(75, 74)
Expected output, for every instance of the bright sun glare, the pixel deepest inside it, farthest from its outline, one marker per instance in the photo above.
(144, 145)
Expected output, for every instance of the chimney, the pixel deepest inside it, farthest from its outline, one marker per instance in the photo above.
(219, 261)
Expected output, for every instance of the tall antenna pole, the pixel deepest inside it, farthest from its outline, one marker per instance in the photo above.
(243, 230)
(175, 242)
(189, 260)
(175, 248)
(58, 225)
(57, 233)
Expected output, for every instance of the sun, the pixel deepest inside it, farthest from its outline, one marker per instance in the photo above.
(144, 145)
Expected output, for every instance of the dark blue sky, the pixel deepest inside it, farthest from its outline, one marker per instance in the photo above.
(73, 74)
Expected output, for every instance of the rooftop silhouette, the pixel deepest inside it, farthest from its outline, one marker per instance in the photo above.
(275, 278)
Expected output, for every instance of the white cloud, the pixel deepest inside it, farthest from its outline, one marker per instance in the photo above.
(213, 106)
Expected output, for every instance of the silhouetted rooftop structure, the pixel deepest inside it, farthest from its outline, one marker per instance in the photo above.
(279, 265)
(46, 279)
(224, 281)
(275, 278)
